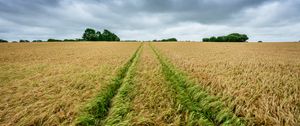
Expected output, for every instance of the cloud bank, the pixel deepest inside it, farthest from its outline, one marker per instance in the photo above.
(266, 20)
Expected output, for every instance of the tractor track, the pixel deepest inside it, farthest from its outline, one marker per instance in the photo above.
(113, 104)
(200, 107)
(98, 109)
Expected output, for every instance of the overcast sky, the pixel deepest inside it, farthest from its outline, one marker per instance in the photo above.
(266, 20)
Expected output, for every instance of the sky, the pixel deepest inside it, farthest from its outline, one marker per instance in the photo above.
(261, 20)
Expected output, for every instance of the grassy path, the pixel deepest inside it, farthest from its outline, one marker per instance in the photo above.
(122, 103)
(153, 104)
(198, 107)
(97, 110)
(144, 98)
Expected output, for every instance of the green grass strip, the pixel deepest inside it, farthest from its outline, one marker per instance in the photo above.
(202, 108)
(121, 105)
(122, 102)
(98, 108)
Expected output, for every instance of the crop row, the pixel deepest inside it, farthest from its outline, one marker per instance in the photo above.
(199, 107)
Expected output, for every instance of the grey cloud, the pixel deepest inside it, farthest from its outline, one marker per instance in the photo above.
(272, 14)
(203, 11)
(150, 19)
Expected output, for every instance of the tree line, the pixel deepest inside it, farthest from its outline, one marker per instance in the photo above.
(166, 40)
(93, 35)
(88, 35)
(234, 37)
(2, 40)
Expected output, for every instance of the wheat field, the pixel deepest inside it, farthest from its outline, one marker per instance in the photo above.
(123, 83)
(260, 81)
(47, 83)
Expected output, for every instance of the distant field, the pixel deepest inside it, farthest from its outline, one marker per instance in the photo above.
(150, 84)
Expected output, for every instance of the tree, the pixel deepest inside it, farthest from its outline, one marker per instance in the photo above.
(2, 40)
(172, 39)
(109, 36)
(99, 36)
(232, 38)
(106, 35)
(24, 41)
(213, 39)
(115, 37)
(205, 39)
(244, 37)
(221, 39)
(90, 35)
(236, 37)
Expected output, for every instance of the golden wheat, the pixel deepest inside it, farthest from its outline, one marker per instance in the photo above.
(47, 83)
(261, 82)
(154, 104)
